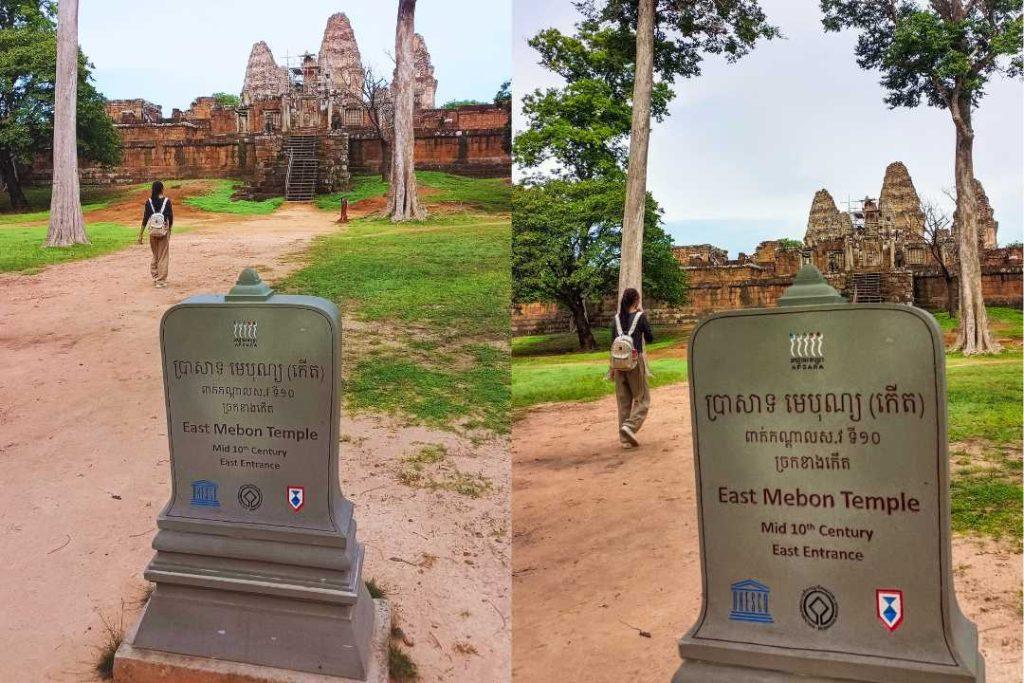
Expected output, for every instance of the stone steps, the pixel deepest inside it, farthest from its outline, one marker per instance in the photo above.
(867, 288)
(302, 152)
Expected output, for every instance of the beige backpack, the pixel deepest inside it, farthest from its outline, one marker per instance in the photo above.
(156, 226)
(624, 354)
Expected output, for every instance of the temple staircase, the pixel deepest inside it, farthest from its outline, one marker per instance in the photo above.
(303, 162)
(867, 288)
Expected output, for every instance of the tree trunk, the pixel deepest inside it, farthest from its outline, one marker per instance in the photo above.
(631, 262)
(403, 204)
(950, 297)
(973, 335)
(67, 225)
(582, 324)
(385, 163)
(12, 182)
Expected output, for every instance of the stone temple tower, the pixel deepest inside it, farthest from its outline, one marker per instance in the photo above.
(264, 79)
(899, 206)
(426, 84)
(340, 61)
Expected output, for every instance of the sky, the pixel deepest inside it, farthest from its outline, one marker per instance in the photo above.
(172, 52)
(747, 144)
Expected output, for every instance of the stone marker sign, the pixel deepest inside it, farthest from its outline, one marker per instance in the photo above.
(822, 477)
(257, 559)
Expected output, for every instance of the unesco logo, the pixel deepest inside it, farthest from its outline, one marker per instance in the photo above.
(806, 351)
(250, 497)
(244, 332)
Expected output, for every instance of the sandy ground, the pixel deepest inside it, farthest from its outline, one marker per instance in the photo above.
(84, 469)
(605, 546)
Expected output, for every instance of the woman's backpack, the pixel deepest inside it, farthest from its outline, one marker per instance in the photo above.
(156, 226)
(624, 354)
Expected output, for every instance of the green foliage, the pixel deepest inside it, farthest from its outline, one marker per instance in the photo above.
(504, 94)
(790, 244)
(455, 104)
(21, 248)
(935, 53)
(219, 200)
(582, 127)
(28, 63)
(566, 240)
(434, 300)
(226, 99)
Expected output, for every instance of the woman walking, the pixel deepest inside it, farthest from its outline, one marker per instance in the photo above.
(157, 219)
(631, 331)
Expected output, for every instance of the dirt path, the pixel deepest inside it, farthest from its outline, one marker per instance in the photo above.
(605, 545)
(83, 464)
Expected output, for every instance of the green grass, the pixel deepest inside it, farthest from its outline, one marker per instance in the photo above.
(218, 200)
(568, 343)
(363, 187)
(1007, 322)
(548, 368)
(21, 249)
(985, 396)
(429, 469)
(986, 492)
(401, 668)
(547, 382)
(484, 194)
(432, 299)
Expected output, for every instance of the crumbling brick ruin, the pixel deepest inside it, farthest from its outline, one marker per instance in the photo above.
(301, 128)
(874, 251)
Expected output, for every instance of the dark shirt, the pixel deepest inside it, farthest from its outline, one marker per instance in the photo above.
(168, 213)
(641, 334)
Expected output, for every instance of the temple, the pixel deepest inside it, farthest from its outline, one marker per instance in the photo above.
(874, 250)
(302, 127)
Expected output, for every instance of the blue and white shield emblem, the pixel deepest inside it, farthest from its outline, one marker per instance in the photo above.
(296, 497)
(889, 607)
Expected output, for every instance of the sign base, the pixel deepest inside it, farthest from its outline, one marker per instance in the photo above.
(706, 672)
(727, 663)
(134, 664)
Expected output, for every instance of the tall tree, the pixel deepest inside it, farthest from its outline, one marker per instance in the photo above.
(403, 203)
(631, 263)
(67, 224)
(943, 52)
(672, 38)
(28, 64)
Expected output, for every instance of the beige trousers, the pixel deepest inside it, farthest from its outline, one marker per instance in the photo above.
(161, 247)
(633, 395)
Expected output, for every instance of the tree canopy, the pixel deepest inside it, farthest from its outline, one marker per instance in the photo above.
(28, 65)
(566, 238)
(582, 128)
(946, 51)
(226, 99)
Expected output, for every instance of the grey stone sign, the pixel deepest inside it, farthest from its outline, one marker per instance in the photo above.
(257, 559)
(823, 496)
